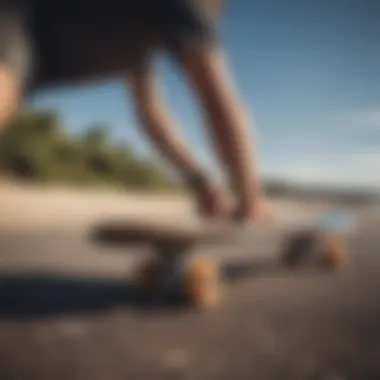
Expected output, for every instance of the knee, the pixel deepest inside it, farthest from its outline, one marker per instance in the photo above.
(15, 61)
(10, 95)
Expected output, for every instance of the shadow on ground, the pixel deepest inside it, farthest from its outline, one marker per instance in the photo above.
(31, 295)
(36, 295)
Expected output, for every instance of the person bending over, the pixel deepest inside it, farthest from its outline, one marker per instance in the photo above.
(46, 43)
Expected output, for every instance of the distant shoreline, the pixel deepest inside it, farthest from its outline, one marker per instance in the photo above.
(44, 208)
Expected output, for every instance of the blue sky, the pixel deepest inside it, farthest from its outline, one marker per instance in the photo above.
(308, 74)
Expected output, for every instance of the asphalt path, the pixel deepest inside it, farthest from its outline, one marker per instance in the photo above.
(67, 312)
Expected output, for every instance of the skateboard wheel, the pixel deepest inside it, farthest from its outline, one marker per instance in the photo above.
(335, 252)
(202, 284)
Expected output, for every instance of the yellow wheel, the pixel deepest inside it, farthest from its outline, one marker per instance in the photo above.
(335, 253)
(202, 284)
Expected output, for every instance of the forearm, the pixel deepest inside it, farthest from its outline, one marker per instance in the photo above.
(227, 113)
(227, 119)
(161, 129)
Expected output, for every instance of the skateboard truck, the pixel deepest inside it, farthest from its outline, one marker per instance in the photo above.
(324, 242)
(172, 274)
(316, 247)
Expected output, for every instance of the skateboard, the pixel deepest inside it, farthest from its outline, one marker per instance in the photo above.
(174, 272)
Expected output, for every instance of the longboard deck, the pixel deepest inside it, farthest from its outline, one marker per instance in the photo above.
(153, 232)
(320, 240)
(128, 232)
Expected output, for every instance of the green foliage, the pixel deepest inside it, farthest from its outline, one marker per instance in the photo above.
(36, 147)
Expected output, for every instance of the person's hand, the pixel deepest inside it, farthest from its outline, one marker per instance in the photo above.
(211, 203)
(210, 200)
(258, 211)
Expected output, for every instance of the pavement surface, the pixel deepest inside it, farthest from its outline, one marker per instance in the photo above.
(66, 312)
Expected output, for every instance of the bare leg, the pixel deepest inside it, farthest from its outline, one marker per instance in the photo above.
(9, 95)
(160, 128)
(209, 75)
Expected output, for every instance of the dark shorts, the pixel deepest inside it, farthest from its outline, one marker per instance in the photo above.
(60, 40)
(189, 22)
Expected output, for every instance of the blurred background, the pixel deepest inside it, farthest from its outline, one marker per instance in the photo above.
(73, 156)
(307, 74)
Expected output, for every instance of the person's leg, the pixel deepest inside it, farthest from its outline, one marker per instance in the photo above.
(208, 73)
(192, 36)
(160, 128)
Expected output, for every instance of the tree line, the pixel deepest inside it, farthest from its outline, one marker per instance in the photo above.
(36, 147)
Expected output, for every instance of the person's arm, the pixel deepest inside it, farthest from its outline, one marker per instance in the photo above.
(157, 122)
(158, 125)
(210, 77)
